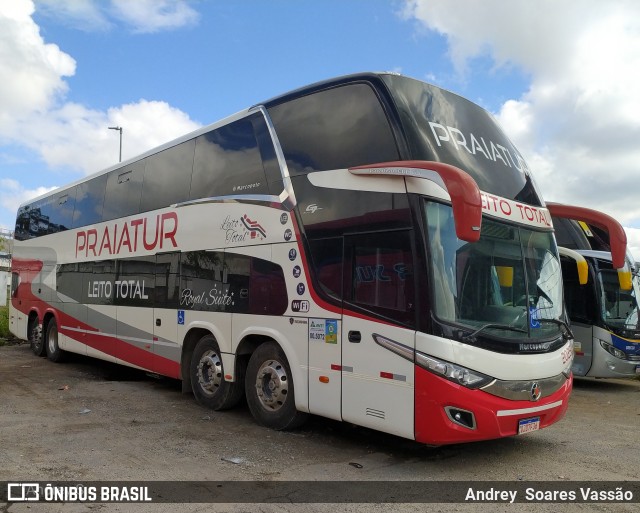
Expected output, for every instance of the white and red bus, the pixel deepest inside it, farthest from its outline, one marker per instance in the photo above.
(370, 249)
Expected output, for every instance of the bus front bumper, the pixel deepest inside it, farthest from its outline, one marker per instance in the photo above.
(448, 413)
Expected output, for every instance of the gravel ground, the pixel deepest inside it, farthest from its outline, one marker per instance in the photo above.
(84, 420)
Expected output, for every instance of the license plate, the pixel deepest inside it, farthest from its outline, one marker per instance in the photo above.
(528, 425)
(637, 369)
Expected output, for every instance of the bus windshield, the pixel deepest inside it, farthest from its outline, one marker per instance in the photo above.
(508, 284)
(619, 307)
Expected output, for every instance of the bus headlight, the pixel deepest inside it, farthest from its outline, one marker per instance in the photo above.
(456, 373)
(613, 351)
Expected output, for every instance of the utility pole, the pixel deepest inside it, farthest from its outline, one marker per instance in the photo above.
(119, 129)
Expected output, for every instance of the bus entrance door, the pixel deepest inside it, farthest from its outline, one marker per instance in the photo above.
(582, 348)
(377, 354)
(166, 317)
(377, 385)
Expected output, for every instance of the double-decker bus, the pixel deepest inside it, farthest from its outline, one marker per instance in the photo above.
(603, 308)
(370, 249)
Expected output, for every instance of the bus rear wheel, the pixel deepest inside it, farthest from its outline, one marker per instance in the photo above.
(207, 377)
(36, 340)
(270, 391)
(54, 353)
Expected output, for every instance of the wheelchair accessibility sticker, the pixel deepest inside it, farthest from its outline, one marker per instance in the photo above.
(533, 316)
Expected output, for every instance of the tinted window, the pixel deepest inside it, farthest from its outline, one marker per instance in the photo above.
(124, 187)
(15, 281)
(379, 274)
(73, 282)
(327, 265)
(66, 284)
(569, 234)
(228, 161)
(135, 282)
(49, 215)
(167, 177)
(61, 211)
(256, 286)
(22, 223)
(579, 299)
(89, 201)
(167, 286)
(36, 219)
(219, 282)
(204, 281)
(329, 212)
(268, 154)
(332, 129)
(101, 289)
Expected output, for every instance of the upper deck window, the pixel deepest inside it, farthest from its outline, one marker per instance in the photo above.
(89, 201)
(333, 129)
(167, 177)
(124, 188)
(228, 161)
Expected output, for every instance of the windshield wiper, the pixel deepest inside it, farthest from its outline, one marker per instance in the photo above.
(472, 336)
(565, 334)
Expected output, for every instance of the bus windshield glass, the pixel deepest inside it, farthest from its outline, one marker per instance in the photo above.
(508, 283)
(619, 307)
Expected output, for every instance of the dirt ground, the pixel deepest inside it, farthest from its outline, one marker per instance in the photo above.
(84, 420)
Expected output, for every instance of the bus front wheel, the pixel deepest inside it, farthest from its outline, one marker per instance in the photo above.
(207, 377)
(270, 391)
(54, 353)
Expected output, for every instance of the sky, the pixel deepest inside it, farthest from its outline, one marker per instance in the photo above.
(561, 78)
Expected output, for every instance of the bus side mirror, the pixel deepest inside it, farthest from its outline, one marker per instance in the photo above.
(581, 264)
(617, 235)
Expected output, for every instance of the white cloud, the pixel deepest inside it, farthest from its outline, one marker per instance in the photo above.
(34, 112)
(154, 15)
(77, 137)
(143, 16)
(579, 121)
(31, 71)
(87, 15)
(12, 194)
(633, 241)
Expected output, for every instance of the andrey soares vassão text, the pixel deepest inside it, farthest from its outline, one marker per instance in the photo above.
(582, 494)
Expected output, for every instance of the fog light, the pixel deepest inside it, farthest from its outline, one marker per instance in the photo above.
(463, 418)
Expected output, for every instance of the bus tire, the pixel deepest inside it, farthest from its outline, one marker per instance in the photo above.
(270, 391)
(54, 353)
(207, 377)
(36, 340)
